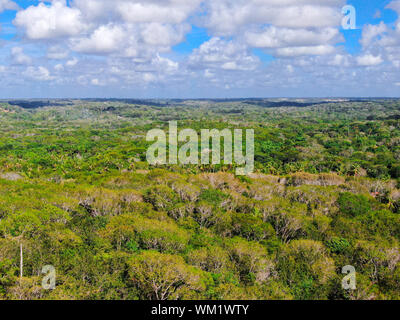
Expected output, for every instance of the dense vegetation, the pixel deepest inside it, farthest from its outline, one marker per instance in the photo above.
(77, 193)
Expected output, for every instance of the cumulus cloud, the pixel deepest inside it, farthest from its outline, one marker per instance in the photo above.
(71, 63)
(371, 32)
(127, 28)
(137, 11)
(50, 21)
(130, 44)
(394, 5)
(305, 50)
(340, 60)
(383, 40)
(167, 11)
(221, 54)
(96, 82)
(369, 60)
(226, 17)
(57, 53)
(8, 5)
(156, 34)
(133, 27)
(59, 67)
(283, 28)
(38, 73)
(19, 57)
(130, 40)
(104, 39)
(273, 37)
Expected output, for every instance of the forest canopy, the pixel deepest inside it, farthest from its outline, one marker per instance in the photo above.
(77, 193)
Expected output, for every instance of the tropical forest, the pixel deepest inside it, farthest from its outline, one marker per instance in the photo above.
(77, 194)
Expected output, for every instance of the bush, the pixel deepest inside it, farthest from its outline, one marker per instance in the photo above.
(339, 245)
(166, 277)
(354, 205)
(213, 196)
(161, 197)
(306, 268)
(251, 227)
(395, 171)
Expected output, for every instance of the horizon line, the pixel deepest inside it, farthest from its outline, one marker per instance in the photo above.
(209, 98)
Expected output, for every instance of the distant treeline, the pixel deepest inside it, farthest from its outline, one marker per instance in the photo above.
(27, 104)
(154, 103)
(259, 102)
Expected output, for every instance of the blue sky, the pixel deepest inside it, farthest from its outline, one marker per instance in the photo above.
(198, 48)
(368, 12)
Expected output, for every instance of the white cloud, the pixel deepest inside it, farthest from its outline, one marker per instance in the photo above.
(59, 67)
(294, 27)
(369, 60)
(167, 11)
(38, 73)
(227, 17)
(228, 55)
(301, 51)
(96, 82)
(8, 5)
(394, 5)
(156, 34)
(127, 40)
(126, 28)
(48, 22)
(71, 63)
(340, 60)
(273, 37)
(19, 57)
(137, 11)
(130, 42)
(383, 40)
(149, 77)
(167, 65)
(370, 32)
(57, 53)
(105, 39)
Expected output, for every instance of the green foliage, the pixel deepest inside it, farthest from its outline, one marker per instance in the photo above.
(161, 197)
(76, 192)
(213, 196)
(339, 245)
(354, 205)
(164, 277)
(306, 267)
(251, 227)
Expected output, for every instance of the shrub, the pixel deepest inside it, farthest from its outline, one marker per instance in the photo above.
(306, 268)
(251, 227)
(161, 197)
(354, 205)
(166, 277)
(213, 196)
(338, 245)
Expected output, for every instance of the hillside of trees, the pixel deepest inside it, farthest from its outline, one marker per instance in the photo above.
(76, 192)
